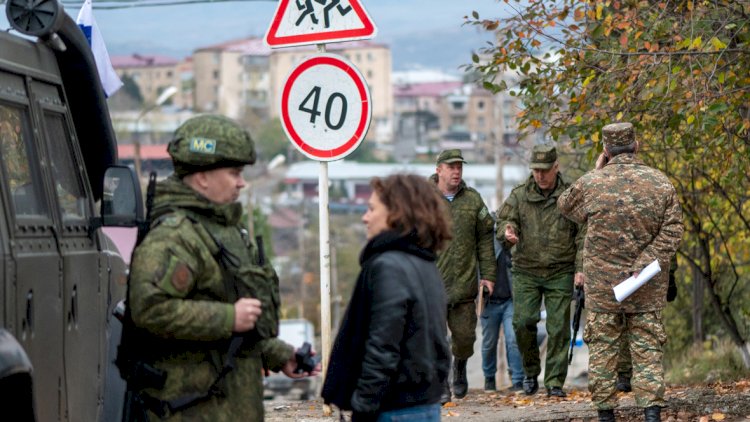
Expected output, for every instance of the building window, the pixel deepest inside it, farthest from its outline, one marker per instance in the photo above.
(480, 105)
(370, 57)
(457, 105)
(216, 74)
(369, 73)
(169, 73)
(480, 122)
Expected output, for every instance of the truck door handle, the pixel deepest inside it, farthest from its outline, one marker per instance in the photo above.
(28, 323)
(73, 313)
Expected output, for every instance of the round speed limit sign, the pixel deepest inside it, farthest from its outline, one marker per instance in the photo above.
(325, 107)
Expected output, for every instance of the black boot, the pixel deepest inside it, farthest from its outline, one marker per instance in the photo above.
(530, 386)
(653, 414)
(460, 384)
(446, 396)
(606, 415)
(623, 382)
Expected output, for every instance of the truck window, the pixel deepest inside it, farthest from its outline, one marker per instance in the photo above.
(70, 195)
(15, 143)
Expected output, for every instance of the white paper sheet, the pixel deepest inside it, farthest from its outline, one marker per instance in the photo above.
(627, 287)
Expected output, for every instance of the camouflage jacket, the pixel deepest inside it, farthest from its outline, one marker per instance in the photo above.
(177, 291)
(471, 244)
(548, 243)
(633, 217)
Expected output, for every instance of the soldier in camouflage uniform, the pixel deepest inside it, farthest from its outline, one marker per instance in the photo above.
(633, 218)
(545, 258)
(472, 244)
(197, 282)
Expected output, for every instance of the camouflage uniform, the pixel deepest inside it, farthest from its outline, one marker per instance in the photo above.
(544, 261)
(633, 217)
(179, 293)
(471, 244)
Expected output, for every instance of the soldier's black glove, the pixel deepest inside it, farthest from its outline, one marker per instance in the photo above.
(672, 288)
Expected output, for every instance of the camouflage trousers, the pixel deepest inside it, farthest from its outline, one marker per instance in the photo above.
(605, 333)
(624, 362)
(462, 323)
(557, 292)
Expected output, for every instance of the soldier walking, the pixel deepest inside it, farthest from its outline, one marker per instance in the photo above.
(545, 257)
(633, 217)
(470, 252)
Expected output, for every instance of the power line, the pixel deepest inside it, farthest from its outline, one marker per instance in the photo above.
(132, 4)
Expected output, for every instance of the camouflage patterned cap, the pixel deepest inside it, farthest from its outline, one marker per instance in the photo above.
(543, 157)
(618, 134)
(208, 142)
(450, 156)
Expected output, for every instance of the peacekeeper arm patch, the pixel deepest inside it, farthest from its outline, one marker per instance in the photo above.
(504, 212)
(175, 277)
(202, 145)
(483, 213)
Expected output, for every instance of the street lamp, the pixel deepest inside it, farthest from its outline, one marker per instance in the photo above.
(163, 97)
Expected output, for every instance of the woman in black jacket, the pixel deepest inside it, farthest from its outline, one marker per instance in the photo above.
(391, 357)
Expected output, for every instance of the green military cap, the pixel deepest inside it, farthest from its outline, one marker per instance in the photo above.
(543, 157)
(618, 134)
(208, 142)
(450, 156)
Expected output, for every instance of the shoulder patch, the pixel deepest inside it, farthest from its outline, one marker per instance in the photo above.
(504, 211)
(483, 212)
(181, 277)
(171, 220)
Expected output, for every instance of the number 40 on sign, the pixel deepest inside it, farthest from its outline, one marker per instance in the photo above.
(325, 107)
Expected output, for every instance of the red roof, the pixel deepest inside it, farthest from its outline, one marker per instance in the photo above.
(142, 60)
(426, 89)
(148, 152)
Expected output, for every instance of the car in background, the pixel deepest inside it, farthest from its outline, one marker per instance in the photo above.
(295, 332)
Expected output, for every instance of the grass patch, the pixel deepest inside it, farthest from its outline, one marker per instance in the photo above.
(713, 361)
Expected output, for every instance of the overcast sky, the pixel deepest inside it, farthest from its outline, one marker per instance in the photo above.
(426, 33)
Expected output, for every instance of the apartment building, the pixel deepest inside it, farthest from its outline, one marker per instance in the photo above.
(233, 78)
(153, 74)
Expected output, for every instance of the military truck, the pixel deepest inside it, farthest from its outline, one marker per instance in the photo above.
(60, 276)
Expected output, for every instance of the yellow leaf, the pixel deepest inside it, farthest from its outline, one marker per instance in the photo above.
(536, 123)
(599, 8)
(717, 416)
(619, 116)
(690, 5)
(595, 137)
(696, 44)
(588, 79)
(718, 44)
(690, 119)
(450, 404)
(582, 140)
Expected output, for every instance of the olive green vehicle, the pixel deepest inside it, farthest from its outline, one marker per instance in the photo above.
(60, 275)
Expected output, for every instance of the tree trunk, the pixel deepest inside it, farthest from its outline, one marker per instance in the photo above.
(699, 290)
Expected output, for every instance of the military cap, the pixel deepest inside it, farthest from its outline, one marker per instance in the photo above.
(208, 142)
(450, 156)
(618, 134)
(543, 157)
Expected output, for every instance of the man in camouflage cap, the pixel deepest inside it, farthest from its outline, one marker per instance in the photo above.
(633, 217)
(471, 245)
(199, 283)
(546, 256)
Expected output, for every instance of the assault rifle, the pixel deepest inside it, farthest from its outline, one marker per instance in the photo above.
(580, 304)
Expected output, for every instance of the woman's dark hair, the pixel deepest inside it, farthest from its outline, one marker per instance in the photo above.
(416, 207)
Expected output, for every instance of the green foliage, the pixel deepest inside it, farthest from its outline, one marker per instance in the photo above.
(262, 228)
(678, 72)
(270, 139)
(131, 88)
(710, 362)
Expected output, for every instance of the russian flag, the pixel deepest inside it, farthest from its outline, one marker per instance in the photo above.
(110, 81)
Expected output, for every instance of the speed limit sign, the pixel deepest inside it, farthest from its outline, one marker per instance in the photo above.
(325, 107)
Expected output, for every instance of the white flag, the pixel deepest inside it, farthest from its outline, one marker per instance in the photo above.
(110, 81)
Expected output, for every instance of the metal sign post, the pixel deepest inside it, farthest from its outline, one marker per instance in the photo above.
(325, 105)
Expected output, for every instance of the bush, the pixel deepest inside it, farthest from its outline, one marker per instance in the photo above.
(713, 361)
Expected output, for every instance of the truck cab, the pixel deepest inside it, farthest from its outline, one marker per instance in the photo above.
(60, 275)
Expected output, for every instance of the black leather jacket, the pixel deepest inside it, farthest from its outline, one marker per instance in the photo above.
(391, 351)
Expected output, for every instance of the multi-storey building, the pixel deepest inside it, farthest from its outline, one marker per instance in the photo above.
(153, 74)
(241, 76)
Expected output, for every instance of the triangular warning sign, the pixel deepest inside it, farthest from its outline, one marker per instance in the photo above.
(301, 22)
